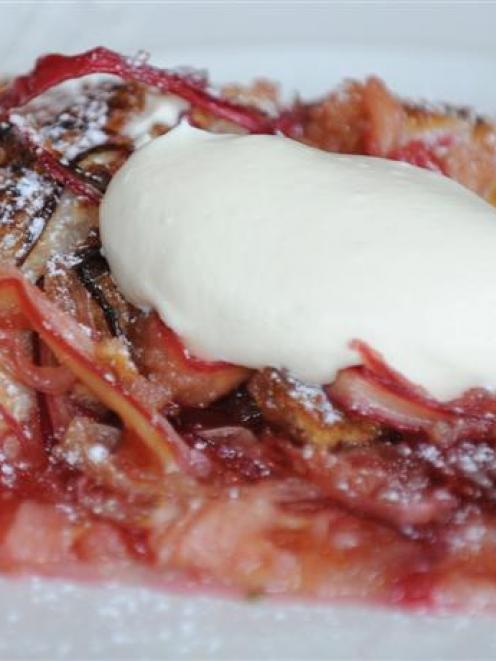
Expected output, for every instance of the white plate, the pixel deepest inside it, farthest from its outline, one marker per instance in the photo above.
(441, 51)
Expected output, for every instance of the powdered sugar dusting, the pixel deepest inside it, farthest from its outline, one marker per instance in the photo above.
(71, 118)
(18, 398)
(22, 191)
(98, 453)
(313, 399)
(27, 199)
(139, 59)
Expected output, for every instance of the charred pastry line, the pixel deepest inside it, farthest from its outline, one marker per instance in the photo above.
(12, 140)
(50, 70)
(46, 213)
(98, 179)
(88, 270)
(61, 173)
(65, 176)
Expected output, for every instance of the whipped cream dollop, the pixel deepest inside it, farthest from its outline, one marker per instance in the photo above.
(261, 251)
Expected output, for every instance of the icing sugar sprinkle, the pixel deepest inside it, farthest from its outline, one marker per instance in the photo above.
(72, 118)
(26, 193)
(313, 399)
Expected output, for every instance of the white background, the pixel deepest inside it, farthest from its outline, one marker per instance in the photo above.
(446, 48)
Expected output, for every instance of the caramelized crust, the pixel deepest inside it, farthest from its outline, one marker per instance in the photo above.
(305, 412)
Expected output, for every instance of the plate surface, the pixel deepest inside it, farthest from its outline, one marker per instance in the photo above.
(440, 51)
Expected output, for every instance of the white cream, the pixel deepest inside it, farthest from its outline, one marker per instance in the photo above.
(261, 251)
(159, 109)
